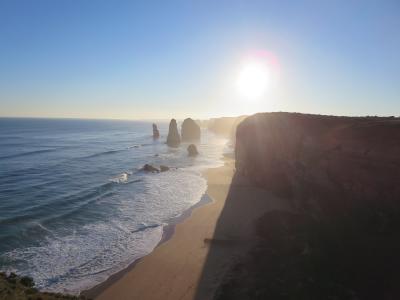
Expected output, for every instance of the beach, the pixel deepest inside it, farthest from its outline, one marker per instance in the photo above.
(192, 263)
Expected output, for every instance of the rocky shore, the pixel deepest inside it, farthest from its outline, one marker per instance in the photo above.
(21, 288)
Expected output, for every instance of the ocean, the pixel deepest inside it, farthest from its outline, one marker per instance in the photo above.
(75, 207)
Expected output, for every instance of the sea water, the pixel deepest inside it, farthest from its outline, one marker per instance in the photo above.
(75, 207)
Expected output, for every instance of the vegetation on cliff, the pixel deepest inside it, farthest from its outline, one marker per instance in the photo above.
(13, 287)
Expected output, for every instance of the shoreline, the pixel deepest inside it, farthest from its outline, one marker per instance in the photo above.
(193, 262)
(168, 233)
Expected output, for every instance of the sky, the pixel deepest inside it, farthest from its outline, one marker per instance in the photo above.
(164, 59)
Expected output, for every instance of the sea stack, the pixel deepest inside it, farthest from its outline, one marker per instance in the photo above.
(150, 168)
(156, 133)
(192, 150)
(190, 130)
(173, 139)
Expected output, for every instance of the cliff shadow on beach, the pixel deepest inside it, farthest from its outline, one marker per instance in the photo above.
(235, 232)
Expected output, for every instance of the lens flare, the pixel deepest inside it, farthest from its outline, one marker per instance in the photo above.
(257, 74)
(254, 79)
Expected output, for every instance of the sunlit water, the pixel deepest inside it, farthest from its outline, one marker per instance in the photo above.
(74, 207)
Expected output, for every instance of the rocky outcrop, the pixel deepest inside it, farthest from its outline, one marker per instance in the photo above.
(190, 130)
(164, 168)
(150, 168)
(327, 165)
(156, 133)
(173, 139)
(192, 150)
(13, 286)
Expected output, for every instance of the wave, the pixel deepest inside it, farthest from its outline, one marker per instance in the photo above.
(11, 144)
(74, 211)
(12, 137)
(27, 153)
(108, 152)
(144, 226)
(83, 198)
(122, 178)
(44, 227)
(134, 181)
(141, 145)
(82, 259)
(79, 257)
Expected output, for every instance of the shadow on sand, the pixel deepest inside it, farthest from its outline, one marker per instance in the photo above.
(262, 249)
(235, 232)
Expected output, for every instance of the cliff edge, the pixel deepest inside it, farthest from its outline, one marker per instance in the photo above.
(326, 164)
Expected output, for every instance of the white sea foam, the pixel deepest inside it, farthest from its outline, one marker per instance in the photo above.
(122, 178)
(89, 255)
(81, 260)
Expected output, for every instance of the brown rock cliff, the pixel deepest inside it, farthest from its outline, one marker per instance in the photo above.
(326, 164)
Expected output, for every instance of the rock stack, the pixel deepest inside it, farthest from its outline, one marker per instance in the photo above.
(192, 150)
(190, 130)
(150, 168)
(173, 139)
(156, 133)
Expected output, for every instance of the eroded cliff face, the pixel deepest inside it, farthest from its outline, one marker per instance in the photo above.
(326, 164)
(225, 126)
(343, 176)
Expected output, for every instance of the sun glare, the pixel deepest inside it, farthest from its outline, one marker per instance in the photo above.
(254, 79)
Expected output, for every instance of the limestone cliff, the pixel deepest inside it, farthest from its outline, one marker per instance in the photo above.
(225, 126)
(326, 164)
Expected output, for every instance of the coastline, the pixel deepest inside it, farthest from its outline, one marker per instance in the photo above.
(195, 254)
(168, 233)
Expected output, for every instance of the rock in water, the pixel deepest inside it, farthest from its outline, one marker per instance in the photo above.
(164, 168)
(156, 133)
(190, 130)
(150, 168)
(173, 139)
(192, 150)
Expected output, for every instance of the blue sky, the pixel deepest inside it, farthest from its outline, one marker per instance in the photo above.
(162, 59)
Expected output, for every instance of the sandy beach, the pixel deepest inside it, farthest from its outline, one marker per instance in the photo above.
(191, 264)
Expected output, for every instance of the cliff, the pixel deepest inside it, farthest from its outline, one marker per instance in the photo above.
(340, 240)
(225, 126)
(326, 164)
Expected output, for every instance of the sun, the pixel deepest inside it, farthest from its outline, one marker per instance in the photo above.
(254, 79)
